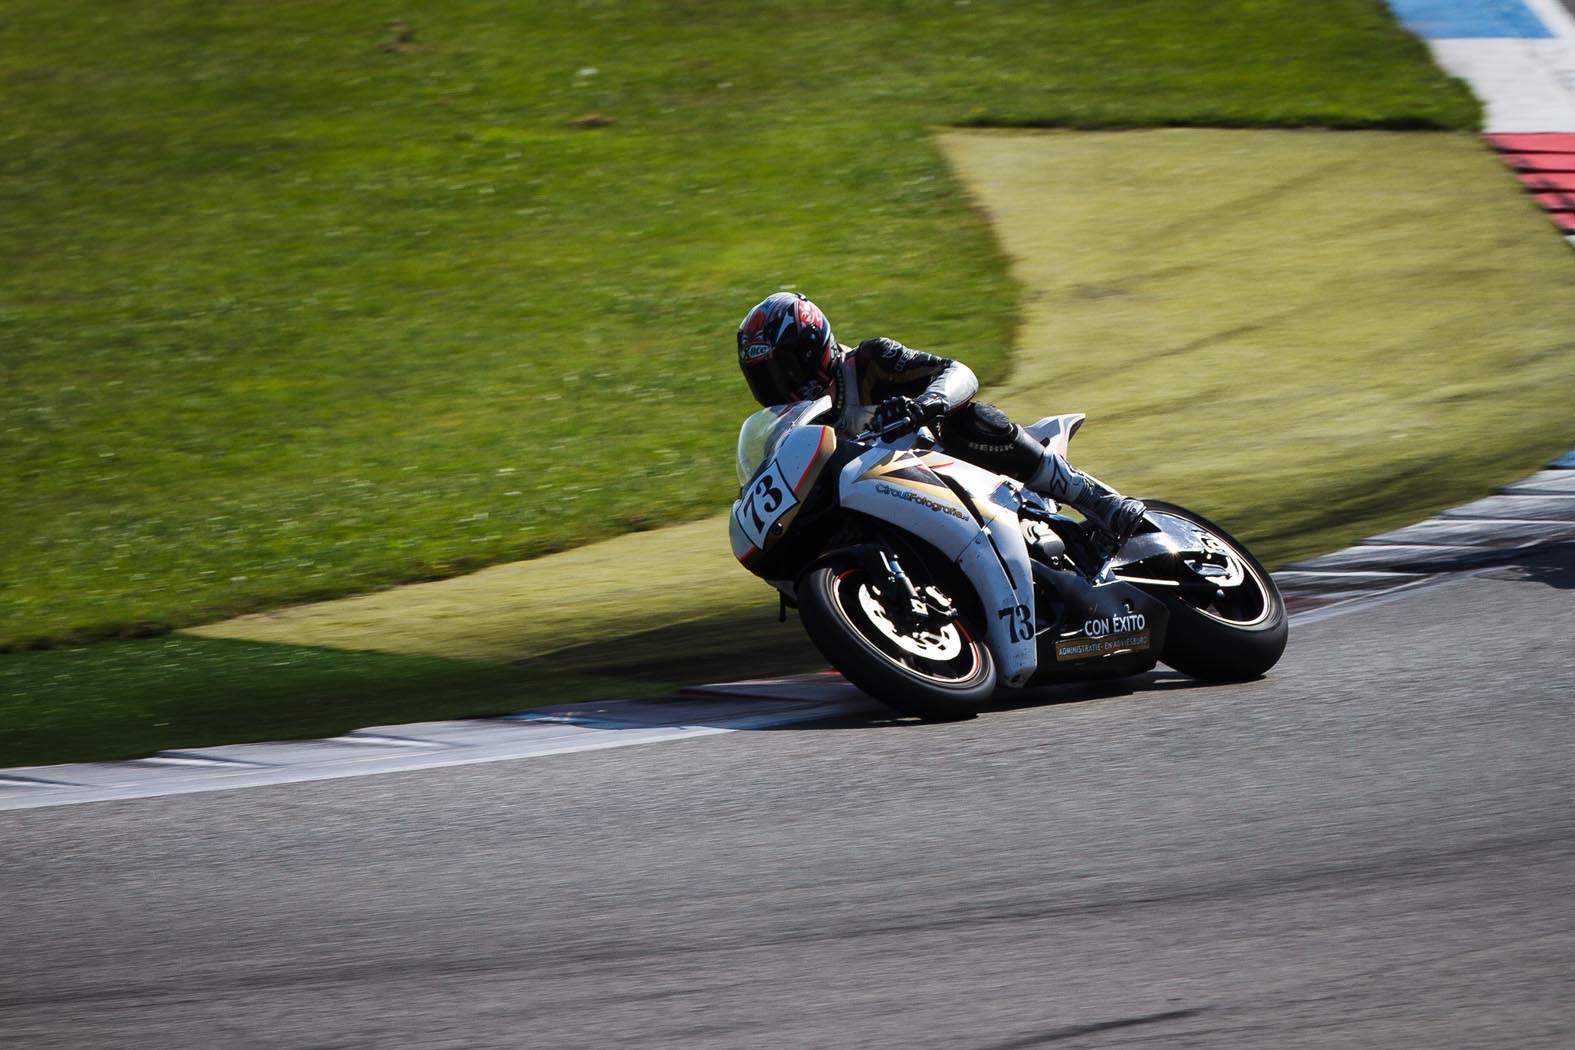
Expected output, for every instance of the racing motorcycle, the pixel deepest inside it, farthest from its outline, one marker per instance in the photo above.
(927, 581)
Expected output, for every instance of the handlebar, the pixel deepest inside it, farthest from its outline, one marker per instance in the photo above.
(897, 428)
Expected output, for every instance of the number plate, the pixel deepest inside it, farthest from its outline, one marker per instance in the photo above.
(763, 504)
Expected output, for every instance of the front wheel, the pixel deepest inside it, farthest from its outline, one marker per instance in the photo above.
(1234, 628)
(934, 671)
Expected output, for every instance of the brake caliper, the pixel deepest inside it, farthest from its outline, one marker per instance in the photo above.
(911, 609)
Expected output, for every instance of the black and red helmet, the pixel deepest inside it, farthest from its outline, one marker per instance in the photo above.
(786, 350)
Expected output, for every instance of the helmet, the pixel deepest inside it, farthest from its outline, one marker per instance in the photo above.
(786, 349)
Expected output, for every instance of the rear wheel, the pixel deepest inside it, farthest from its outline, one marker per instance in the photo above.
(936, 669)
(1230, 626)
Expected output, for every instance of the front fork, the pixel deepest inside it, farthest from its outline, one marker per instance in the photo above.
(910, 608)
(1000, 597)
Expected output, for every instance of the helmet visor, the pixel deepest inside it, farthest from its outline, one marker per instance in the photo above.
(779, 376)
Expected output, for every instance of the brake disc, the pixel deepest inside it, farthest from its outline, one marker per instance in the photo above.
(942, 644)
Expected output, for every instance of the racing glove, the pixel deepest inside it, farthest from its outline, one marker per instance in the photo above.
(906, 410)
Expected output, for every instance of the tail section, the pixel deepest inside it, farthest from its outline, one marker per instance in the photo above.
(1055, 432)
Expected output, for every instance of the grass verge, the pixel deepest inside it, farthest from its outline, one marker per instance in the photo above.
(298, 303)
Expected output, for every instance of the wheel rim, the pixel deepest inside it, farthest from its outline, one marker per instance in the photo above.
(941, 646)
(948, 655)
(1241, 597)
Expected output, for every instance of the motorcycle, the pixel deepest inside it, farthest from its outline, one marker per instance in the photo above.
(927, 581)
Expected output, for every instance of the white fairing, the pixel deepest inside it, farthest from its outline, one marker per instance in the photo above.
(890, 485)
(1055, 432)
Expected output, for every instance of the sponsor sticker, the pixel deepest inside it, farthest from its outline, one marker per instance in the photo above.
(921, 499)
(1090, 648)
(1107, 625)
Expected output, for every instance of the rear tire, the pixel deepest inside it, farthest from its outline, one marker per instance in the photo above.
(941, 675)
(1234, 635)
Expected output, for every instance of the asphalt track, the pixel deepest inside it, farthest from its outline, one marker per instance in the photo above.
(1374, 847)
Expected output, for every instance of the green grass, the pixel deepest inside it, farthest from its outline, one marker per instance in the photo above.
(1283, 329)
(291, 308)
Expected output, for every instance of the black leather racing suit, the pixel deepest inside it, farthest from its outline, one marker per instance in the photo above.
(878, 369)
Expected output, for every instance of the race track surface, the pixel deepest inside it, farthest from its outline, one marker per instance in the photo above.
(1371, 848)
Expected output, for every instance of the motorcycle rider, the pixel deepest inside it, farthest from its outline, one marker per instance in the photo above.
(788, 353)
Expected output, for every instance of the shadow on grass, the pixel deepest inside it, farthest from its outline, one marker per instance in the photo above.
(133, 698)
(726, 647)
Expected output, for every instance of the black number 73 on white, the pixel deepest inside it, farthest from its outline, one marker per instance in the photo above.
(767, 498)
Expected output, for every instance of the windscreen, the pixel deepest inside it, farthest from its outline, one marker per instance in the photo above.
(761, 432)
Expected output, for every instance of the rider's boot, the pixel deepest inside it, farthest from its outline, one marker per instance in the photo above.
(984, 435)
(1109, 511)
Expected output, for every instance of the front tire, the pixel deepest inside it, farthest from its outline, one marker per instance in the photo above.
(936, 675)
(1235, 633)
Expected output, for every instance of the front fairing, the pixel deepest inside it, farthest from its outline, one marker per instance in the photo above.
(781, 456)
(981, 535)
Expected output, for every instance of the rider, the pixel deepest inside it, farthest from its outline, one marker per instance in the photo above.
(787, 353)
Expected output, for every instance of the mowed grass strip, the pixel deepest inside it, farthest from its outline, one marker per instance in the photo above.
(1310, 336)
(296, 302)
(523, 610)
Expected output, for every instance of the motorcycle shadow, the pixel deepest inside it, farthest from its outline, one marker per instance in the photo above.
(825, 700)
(1552, 566)
(1159, 680)
(1152, 684)
(734, 646)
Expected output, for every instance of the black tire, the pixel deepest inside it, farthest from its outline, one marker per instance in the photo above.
(1237, 633)
(940, 676)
